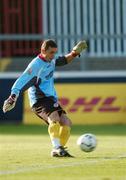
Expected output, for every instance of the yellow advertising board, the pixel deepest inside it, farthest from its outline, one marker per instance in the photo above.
(91, 103)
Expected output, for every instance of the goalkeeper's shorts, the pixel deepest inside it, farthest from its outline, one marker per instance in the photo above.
(45, 106)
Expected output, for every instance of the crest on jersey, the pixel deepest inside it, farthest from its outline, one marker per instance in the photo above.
(29, 71)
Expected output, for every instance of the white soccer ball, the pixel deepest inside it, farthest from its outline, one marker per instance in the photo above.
(87, 142)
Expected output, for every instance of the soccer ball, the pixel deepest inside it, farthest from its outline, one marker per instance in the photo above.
(87, 142)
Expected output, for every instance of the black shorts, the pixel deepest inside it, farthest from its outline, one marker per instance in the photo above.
(45, 106)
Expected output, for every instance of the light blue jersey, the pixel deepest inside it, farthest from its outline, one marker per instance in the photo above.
(38, 79)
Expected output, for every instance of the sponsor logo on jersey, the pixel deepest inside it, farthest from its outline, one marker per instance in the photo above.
(49, 75)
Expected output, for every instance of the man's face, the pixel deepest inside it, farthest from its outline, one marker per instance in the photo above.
(49, 53)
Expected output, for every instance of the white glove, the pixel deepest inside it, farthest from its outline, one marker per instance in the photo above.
(81, 46)
(9, 103)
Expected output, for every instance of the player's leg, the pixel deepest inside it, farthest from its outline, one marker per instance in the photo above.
(52, 119)
(65, 127)
(54, 132)
(53, 129)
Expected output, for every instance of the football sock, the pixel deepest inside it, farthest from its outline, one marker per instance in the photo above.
(64, 134)
(53, 130)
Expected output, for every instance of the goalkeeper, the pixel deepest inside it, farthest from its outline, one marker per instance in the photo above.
(38, 79)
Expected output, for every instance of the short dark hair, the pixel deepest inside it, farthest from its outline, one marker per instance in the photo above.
(48, 43)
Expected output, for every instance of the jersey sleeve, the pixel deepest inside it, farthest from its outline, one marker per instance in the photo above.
(61, 61)
(27, 79)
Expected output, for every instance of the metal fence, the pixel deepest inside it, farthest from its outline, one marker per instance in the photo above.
(101, 22)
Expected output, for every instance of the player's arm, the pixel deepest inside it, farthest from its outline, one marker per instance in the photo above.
(27, 79)
(81, 46)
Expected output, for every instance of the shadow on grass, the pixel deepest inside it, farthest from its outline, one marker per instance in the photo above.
(76, 129)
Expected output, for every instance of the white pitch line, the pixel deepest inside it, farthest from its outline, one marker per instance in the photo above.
(70, 164)
(40, 167)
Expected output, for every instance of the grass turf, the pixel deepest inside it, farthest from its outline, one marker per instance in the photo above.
(25, 154)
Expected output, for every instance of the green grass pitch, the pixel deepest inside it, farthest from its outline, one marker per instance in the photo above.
(25, 154)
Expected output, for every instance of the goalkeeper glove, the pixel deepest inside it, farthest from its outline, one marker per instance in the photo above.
(9, 103)
(81, 46)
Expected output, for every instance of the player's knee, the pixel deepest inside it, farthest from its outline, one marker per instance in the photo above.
(66, 122)
(54, 117)
(53, 120)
